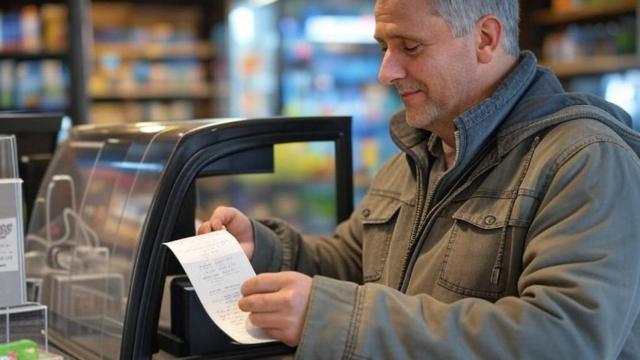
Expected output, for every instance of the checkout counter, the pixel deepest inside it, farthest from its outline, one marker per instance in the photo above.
(113, 194)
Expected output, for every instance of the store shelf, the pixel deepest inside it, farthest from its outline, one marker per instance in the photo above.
(200, 50)
(599, 64)
(583, 13)
(32, 109)
(136, 95)
(22, 56)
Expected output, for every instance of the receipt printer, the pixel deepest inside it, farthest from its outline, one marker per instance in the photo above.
(192, 331)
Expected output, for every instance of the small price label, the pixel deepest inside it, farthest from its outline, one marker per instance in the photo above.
(8, 245)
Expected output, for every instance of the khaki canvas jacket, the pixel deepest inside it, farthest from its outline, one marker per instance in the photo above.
(529, 251)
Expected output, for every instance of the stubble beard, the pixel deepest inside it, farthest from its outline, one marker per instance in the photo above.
(422, 118)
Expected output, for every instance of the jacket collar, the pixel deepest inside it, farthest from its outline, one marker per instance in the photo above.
(476, 125)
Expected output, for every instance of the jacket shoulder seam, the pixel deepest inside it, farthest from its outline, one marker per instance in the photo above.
(575, 147)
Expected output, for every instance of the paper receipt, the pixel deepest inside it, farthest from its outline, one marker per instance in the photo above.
(217, 267)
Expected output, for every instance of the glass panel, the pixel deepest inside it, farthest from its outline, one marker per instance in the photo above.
(301, 190)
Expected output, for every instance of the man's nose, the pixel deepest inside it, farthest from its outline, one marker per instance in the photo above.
(390, 69)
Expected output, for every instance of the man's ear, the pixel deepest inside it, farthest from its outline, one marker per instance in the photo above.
(488, 38)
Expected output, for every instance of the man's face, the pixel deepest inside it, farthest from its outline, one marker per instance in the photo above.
(433, 72)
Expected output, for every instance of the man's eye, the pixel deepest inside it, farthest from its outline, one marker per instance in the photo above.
(411, 49)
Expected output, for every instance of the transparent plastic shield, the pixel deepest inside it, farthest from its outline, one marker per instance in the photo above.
(84, 233)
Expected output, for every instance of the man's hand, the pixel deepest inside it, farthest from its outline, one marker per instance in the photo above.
(277, 303)
(235, 222)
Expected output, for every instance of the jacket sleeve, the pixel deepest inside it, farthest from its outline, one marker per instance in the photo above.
(578, 295)
(280, 247)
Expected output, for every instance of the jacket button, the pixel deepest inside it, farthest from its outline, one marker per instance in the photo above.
(489, 220)
(366, 213)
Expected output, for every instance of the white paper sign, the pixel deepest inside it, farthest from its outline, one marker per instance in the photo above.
(217, 267)
(8, 245)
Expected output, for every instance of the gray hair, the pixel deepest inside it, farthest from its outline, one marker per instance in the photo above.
(462, 15)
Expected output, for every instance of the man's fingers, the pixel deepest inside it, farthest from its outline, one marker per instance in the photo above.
(267, 320)
(277, 301)
(265, 283)
(262, 303)
(209, 226)
(204, 228)
(222, 215)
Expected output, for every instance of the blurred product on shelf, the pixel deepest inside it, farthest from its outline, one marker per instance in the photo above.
(11, 37)
(30, 29)
(33, 85)
(54, 27)
(7, 83)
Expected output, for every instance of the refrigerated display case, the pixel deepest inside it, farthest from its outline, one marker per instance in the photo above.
(253, 58)
(114, 194)
(325, 62)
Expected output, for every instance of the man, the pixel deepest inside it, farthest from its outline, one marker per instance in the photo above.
(505, 229)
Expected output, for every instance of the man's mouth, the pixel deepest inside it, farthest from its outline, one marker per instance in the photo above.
(408, 94)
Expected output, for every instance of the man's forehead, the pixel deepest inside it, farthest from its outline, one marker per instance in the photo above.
(404, 8)
(409, 4)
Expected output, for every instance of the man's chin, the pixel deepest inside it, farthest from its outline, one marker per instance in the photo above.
(415, 120)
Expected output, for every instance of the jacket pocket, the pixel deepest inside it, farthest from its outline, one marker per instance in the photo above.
(479, 258)
(378, 215)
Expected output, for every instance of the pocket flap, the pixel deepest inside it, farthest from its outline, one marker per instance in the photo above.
(485, 212)
(376, 209)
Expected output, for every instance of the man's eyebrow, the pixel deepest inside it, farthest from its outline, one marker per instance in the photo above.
(390, 37)
(396, 37)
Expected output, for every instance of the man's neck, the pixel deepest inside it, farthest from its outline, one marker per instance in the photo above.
(449, 154)
(494, 78)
